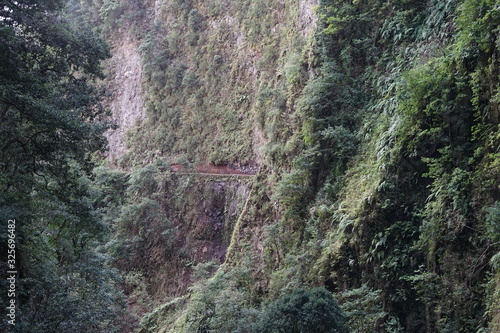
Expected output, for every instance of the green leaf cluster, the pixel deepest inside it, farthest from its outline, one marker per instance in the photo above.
(51, 127)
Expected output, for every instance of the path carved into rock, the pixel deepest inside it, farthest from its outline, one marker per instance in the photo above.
(215, 170)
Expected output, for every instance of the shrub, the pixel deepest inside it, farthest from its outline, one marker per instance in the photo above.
(195, 20)
(303, 311)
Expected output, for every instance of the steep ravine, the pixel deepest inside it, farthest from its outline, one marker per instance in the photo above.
(199, 206)
(272, 146)
(204, 115)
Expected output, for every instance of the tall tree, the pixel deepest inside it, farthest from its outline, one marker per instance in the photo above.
(51, 123)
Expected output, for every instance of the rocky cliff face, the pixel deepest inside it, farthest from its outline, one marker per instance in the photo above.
(197, 87)
(218, 79)
(126, 96)
(274, 145)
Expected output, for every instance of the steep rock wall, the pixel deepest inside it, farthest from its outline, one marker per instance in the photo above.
(370, 174)
(125, 87)
(200, 86)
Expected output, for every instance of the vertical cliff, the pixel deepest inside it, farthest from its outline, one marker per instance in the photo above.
(203, 98)
(125, 92)
(272, 146)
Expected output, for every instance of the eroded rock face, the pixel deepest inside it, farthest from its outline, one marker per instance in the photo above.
(233, 97)
(193, 224)
(126, 103)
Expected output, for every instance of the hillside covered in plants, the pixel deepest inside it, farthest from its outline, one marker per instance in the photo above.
(272, 166)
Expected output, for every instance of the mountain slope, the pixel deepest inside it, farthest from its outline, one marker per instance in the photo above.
(374, 129)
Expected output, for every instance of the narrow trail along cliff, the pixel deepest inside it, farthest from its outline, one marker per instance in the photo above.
(213, 170)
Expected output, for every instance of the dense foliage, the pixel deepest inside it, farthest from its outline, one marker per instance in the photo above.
(313, 310)
(411, 109)
(377, 141)
(51, 125)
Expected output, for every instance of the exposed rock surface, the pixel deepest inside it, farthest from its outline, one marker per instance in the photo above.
(126, 102)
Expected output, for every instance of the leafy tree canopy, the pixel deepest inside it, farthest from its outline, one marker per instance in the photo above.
(302, 311)
(51, 123)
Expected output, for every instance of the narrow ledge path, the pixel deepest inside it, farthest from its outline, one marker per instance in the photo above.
(211, 170)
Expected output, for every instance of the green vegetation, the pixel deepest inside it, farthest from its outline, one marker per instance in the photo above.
(313, 310)
(205, 69)
(51, 128)
(404, 208)
(222, 304)
(377, 139)
(374, 125)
